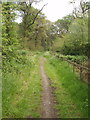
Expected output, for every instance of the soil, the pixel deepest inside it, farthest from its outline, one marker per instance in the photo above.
(48, 110)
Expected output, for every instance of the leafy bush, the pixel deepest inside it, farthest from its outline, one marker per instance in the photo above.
(78, 59)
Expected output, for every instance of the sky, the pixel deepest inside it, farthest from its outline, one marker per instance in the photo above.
(56, 9)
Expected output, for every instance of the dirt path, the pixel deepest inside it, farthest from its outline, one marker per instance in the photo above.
(48, 101)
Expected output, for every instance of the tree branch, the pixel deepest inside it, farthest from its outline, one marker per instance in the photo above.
(36, 15)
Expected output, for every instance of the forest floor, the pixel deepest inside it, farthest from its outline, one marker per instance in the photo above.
(48, 110)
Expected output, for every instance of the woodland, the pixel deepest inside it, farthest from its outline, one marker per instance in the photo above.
(24, 43)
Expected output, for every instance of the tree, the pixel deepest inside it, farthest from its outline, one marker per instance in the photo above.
(9, 37)
(62, 25)
(77, 38)
(84, 6)
(29, 16)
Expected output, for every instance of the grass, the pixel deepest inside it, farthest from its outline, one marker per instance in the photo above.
(71, 93)
(0, 93)
(0, 86)
(22, 90)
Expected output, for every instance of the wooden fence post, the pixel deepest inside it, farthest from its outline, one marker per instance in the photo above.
(73, 68)
(81, 78)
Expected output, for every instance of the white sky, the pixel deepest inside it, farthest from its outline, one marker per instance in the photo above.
(56, 9)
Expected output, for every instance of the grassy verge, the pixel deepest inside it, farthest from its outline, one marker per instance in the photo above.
(71, 93)
(22, 90)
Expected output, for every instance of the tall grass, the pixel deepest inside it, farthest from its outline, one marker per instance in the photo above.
(22, 88)
(71, 93)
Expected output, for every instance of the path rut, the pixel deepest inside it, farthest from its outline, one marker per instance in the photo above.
(48, 110)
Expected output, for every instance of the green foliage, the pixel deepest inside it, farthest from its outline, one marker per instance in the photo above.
(9, 35)
(76, 39)
(78, 59)
(63, 24)
(33, 28)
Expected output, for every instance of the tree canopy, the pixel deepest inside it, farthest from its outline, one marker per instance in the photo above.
(68, 35)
